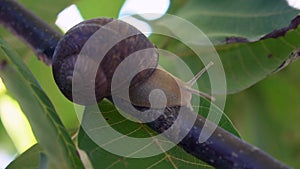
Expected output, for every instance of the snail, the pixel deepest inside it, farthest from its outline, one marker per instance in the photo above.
(177, 92)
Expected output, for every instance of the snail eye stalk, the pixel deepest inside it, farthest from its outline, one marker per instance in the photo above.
(190, 83)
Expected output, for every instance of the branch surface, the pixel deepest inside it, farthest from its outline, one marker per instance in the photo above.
(36, 33)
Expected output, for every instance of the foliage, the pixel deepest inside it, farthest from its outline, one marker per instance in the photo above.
(45, 123)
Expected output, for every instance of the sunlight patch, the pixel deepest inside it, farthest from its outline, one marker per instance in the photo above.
(16, 124)
(68, 18)
(294, 3)
(132, 7)
(143, 7)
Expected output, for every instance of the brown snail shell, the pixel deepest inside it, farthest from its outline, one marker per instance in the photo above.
(68, 48)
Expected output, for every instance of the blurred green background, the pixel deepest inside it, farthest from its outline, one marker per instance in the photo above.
(265, 114)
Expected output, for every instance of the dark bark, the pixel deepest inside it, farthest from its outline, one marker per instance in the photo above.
(40, 36)
(222, 149)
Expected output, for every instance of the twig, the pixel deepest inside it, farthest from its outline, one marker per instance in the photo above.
(222, 149)
(40, 36)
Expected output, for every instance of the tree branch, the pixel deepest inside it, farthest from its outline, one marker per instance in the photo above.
(221, 150)
(40, 36)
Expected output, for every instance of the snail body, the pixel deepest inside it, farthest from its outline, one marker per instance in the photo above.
(70, 46)
(177, 92)
(167, 83)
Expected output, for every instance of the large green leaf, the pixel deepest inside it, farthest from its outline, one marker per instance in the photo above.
(240, 18)
(6, 143)
(27, 160)
(47, 10)
(45, 123)
(235, 23)
(174, 158)
(247, 63)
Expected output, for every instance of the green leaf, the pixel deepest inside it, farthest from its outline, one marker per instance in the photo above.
(32, 158)
(99, 8)
(6, 143)
(247, 63)
(224, 122)
(48, 11)
(239, 18)
(236, 22)
(174, 158)
(27, 160)
(45, 123)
